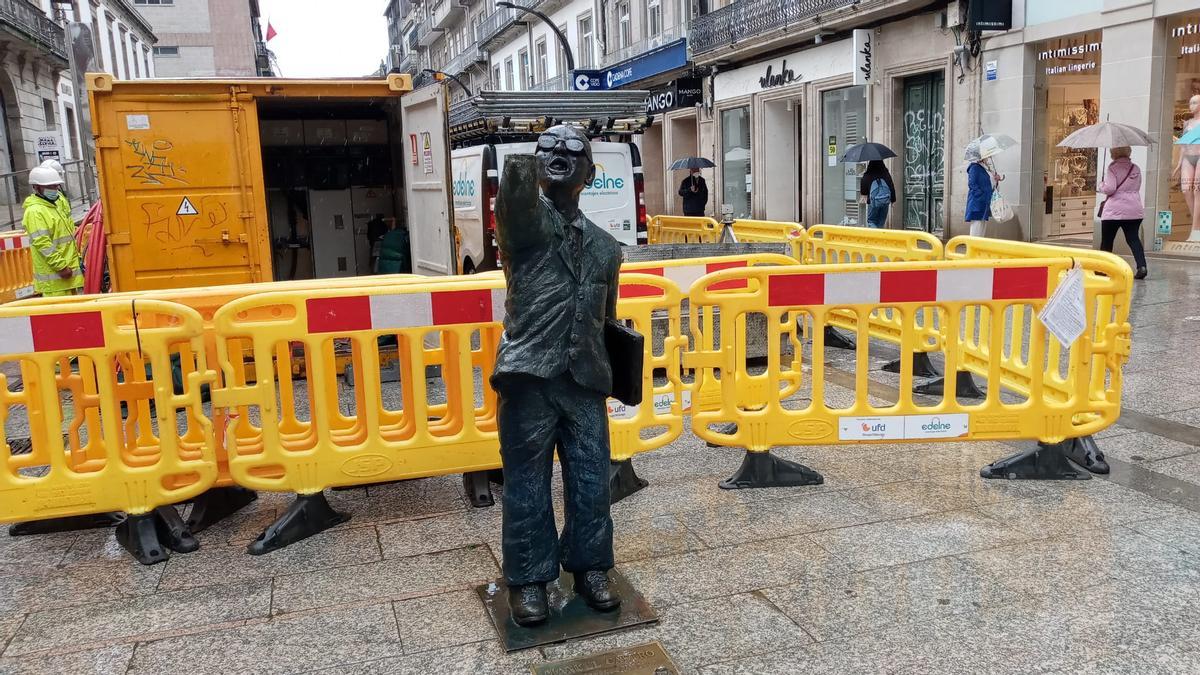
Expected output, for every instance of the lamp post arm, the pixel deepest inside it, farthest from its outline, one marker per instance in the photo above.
(562, 39)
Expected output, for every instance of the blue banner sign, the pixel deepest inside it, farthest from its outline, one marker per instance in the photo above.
(671, 56)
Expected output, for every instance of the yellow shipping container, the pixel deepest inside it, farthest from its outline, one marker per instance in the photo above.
(211, 182)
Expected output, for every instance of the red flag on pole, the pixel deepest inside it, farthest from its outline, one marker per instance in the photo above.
(270, 31)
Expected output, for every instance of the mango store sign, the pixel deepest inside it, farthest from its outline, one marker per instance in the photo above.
(827, 60)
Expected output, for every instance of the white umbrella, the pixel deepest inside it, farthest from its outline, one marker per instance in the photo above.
(991, 144)
(1106, 135)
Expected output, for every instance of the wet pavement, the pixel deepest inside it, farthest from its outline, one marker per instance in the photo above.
(904, 561)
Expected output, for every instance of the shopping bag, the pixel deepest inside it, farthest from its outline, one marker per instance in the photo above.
(1001, 211)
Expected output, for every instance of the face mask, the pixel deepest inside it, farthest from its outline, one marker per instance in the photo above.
(52, 195)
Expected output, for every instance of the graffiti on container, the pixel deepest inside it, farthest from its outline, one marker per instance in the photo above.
(152, 165)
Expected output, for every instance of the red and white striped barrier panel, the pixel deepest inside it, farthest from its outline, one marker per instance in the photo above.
(349, 313)
(51, 333)
(925, 286)
(14, 242)
(684, 276)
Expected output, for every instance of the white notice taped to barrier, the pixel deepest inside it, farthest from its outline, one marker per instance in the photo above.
(903, 427)
(1065, 314)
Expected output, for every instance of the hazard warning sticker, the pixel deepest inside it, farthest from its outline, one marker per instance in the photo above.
(186, 208)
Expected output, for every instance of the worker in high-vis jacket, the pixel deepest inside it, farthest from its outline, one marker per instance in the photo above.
(56, 261)
(64, 201)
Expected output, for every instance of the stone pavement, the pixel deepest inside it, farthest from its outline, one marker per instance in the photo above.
(904, 561)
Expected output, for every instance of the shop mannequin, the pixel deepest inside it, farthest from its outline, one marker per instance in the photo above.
(1188, 170)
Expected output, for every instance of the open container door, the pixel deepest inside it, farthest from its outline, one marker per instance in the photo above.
(423, 116)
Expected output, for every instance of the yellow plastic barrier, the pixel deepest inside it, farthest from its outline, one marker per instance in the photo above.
(16, 266)
(1107, 296)
(104, 421)
(771, 231)
(683, 230)
(999, 287)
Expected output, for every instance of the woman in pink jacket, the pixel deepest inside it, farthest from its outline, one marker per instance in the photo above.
(1122, 208)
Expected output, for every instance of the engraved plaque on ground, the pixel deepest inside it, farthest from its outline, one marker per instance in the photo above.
(647, 659)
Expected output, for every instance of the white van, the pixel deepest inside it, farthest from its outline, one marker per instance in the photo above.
(615, 200)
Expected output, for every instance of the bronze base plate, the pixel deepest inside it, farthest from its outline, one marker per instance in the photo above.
(647, 659)
(570, 617)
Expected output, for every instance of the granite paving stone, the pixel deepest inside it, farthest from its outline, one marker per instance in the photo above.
(223, 564)
(281, 645)
(703, 632)
(1165, 659)
(836, 607)
(1141, 446)
(668, 498)
(34, 587)
(1185, 468)
(425, 574)
(1190, 417)
(1074, 506)
(445, 620)
(651, 538)
(711, 573)
(428, 535)
(8, 627)
(472, 659)
(242, 527)
(767, 519)
(399, 501)
(42, 549)
(109, 660)
(910, 540)
(120, 619)
(1181, 531)
(1115, 430)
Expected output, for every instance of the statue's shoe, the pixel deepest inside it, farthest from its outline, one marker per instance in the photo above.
(593, 586)
(527, 604)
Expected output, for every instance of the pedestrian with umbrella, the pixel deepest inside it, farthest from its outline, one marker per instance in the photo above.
(693, 190)
(982, 179)
(1122, 206)
(875, 189)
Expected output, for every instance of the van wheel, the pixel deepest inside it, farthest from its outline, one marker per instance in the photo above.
(468, 267)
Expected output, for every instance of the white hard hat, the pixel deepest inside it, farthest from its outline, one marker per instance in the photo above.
(53, 164)
(43, 176)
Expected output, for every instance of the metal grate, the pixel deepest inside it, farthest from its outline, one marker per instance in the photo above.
(750, 18)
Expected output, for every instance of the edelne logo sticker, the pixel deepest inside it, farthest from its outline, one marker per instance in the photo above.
(903, 427)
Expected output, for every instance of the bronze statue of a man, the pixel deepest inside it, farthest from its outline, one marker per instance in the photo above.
(553, 375)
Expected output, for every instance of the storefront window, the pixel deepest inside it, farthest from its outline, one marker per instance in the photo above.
(1178, 223)
(735, 158)
(1068, 75)
(843, 123)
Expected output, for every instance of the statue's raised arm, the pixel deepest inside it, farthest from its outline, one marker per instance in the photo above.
(519, 221)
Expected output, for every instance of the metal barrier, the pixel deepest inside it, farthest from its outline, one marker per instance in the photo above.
(959, 292)
(16, 266)
(107, 432)
(683, 230)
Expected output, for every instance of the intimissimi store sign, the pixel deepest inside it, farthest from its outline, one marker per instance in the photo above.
(1187, 36)
(1072, 55)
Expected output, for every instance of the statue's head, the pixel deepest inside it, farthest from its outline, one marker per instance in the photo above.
(564, 160)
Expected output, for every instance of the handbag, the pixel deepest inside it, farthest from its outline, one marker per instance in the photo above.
(1001, 210)
(1100, 211)
(626, 351)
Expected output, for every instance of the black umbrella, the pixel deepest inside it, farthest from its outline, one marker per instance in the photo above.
(866, 152)
(693, 163)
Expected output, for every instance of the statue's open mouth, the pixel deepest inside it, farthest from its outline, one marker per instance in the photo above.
(559, 165)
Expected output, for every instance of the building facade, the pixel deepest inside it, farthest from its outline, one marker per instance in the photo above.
(1067, 65)
(32, 58)
(207, 38)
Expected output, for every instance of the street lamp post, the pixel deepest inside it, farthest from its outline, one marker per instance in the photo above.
(562, 39)
(436, 73)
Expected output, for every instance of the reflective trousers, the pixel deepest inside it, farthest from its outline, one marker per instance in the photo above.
(535, 416)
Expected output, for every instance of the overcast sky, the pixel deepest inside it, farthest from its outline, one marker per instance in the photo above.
(320, 38)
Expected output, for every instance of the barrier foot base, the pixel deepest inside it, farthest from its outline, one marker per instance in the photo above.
(1043, 462)
(922, 366)
(173, 532)
(1085, 453)
(836, 340)
(67, 524)
(965, 387)
(216, 505)
(308, 515)
(478, 489)
(149, 536)
(623, 481)
(762, 470)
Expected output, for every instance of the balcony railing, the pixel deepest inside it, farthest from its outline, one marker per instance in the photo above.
(460, 63)
(557, 83)
(29, 20)
(502, 19)
(666, 37)
(749, 18)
